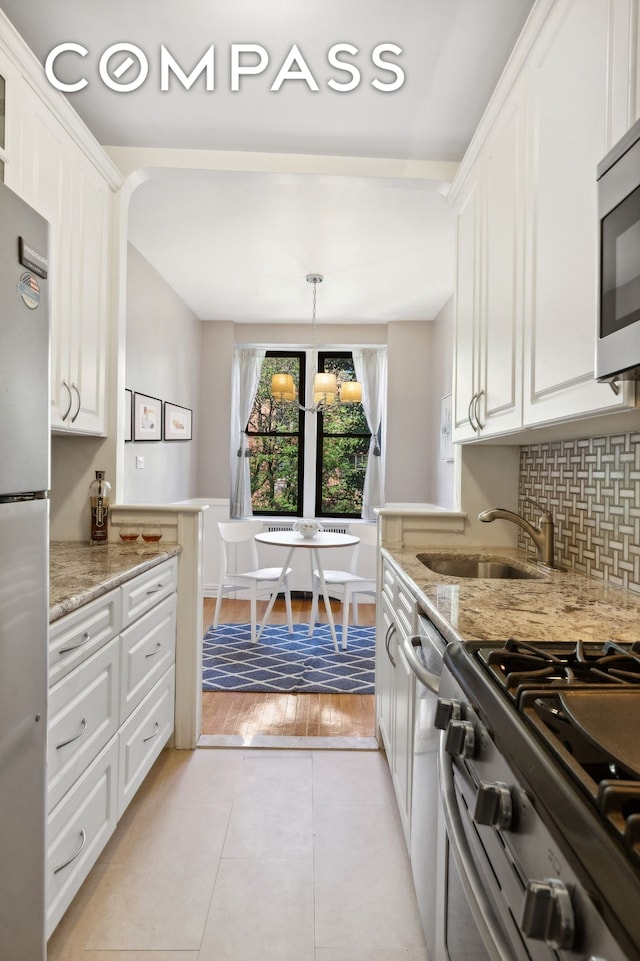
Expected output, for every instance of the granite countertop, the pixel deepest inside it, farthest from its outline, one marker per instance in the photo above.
(80, 572)
(557, 606)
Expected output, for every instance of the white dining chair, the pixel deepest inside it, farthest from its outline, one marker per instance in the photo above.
(347, 586)
(240, 570)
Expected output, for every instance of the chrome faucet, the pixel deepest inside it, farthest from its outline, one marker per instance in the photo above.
(542, 535)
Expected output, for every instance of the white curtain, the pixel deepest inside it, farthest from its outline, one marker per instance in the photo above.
(371, 370)
(247, 365)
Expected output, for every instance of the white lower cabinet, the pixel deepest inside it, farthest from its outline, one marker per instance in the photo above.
(148, 650)
(395, 686)
(143, 737)
(75, 637)
(78, 829)
(111, 711)
(83, 717)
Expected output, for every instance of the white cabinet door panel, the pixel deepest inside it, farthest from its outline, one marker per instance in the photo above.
(91, 257)
(143, 736)
(467, 310)
(78, 829)
(568, 81)
(76, 636)
(148, 649)
(83, 715)
(147, 589)
(500, 407)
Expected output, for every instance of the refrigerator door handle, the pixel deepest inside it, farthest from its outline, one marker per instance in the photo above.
(73, 419)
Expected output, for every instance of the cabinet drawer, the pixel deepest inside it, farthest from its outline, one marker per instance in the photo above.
(388, 582)
(76, 636)
(145, 590)
(147, 651)
(78, 829)
(83, 715)
(143, 736)
(405, 609)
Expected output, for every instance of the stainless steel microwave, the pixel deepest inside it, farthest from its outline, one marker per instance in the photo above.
(618, 342)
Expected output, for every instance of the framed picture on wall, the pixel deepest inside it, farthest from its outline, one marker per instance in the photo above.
(177, 422)
(446, 442)
(147, 417)
(128, 414)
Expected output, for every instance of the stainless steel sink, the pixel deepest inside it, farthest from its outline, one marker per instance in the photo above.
(473, 567)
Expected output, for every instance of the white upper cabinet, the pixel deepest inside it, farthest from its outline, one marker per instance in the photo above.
(568, 77)
(65, 187)
(467, 341)
(489, 255)
(91, 296)
(10, 94)
(526, 284)
(52, 161)
(499, 406)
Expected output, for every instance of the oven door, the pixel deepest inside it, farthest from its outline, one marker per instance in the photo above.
(475, 925)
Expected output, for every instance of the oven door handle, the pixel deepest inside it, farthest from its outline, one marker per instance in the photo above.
(430, 681)
(474, 887)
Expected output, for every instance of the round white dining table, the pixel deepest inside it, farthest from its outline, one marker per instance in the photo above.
(294, 541)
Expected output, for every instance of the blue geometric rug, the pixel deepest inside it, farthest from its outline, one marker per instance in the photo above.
(289, 663)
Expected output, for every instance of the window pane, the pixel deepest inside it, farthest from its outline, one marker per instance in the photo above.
(343, 418)
(274, 474)
(344, 463)
(267, 415)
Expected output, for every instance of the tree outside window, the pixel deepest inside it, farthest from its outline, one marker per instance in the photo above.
(276, 442)
(342, 447)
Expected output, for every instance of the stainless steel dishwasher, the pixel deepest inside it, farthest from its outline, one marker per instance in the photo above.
(448, 925)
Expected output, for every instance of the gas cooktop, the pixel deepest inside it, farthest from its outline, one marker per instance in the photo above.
(518, 665)
(559, 721)
(583, 701)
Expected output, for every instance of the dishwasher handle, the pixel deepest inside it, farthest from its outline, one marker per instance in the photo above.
(431, 681)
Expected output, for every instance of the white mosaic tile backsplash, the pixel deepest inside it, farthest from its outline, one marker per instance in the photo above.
(592, 487)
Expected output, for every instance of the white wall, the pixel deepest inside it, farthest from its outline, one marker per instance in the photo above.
(440, 474)
(215, 409)
(410, 440)
(163, 348)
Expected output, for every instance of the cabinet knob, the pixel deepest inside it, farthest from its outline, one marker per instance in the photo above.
(547, 913)
(460, 739)
(446, 710)
(493, 805)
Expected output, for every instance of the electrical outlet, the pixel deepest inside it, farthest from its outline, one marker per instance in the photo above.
(140, 463)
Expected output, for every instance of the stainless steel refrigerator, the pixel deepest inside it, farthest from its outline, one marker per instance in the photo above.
(24, 580)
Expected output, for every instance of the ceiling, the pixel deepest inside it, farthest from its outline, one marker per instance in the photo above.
(237, 245)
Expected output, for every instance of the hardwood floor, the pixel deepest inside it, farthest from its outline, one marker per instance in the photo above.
(285, 715)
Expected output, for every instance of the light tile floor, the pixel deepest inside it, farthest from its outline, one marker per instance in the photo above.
(233, 855)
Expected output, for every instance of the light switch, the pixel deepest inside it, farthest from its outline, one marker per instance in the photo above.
(140, 463)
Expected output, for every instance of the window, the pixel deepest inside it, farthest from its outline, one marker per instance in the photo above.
(306, 464)
(342, 447)
(276, 435)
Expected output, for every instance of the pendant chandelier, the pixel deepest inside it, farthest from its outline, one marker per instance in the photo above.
(326, 390)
